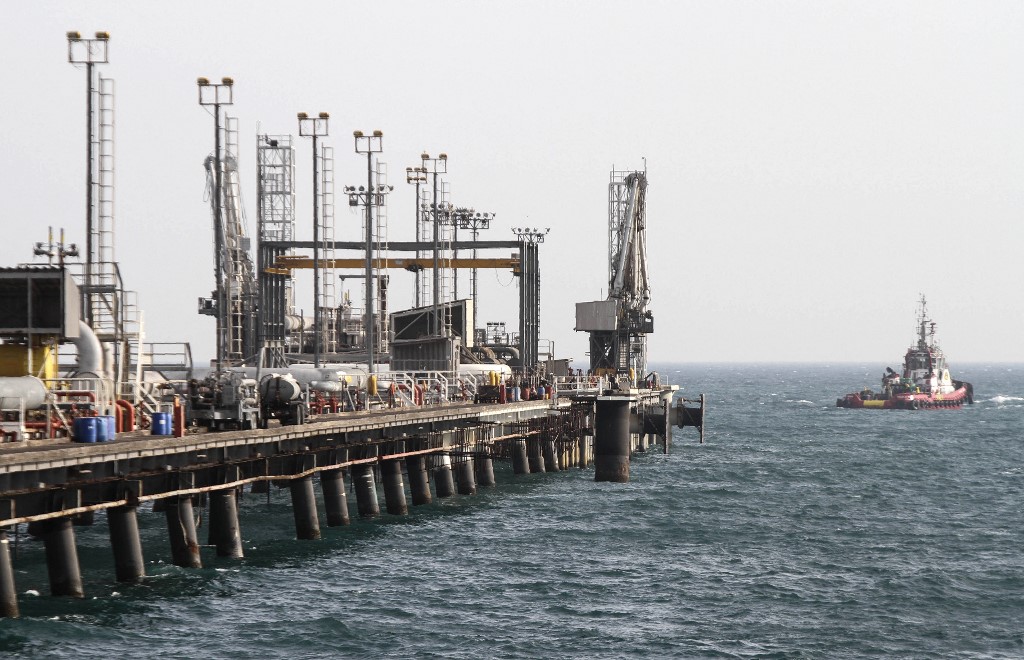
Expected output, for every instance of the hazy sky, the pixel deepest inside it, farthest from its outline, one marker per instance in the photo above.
(814, 166)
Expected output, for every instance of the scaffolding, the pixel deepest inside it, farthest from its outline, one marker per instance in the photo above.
(276, 223)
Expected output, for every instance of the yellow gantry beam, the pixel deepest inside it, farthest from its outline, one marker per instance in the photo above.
(285, 263)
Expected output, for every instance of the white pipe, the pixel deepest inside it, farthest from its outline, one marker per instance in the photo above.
(325, 386)
(90, 352)
(294, 322)
(108, 362)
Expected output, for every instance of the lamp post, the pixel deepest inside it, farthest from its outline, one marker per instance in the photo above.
(315, 127)
(417, 175)
(216, 95)
(369, 145)
(88, 52)
(435, 166)
(60, 250)
(474, 222)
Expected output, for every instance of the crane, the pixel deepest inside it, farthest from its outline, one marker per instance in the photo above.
(237, 284)
(619, 325)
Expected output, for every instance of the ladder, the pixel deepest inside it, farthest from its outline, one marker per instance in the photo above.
(328, 294)
(381, 240)
(103, 290)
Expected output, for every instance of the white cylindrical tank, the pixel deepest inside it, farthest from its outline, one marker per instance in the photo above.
(16, 391)
(481, 370)
(279, 388)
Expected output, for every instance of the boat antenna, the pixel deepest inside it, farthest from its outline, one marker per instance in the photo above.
(922, 324)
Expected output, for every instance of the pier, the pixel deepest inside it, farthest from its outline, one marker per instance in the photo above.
(357, 412)
(54, 486)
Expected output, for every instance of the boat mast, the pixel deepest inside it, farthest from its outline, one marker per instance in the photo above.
(922, 324)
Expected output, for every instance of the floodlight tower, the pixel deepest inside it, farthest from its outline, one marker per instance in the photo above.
(369, 145)
(315, 127)
(529, 280)
(435, 166)
(417, 175)
(474, 221)
(89, 52)
(215, 95)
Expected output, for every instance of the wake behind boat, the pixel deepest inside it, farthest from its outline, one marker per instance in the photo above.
(925, 382)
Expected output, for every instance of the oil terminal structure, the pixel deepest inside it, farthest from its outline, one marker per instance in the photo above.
(98, 423)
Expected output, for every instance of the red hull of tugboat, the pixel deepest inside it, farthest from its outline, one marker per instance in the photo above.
(916, 401)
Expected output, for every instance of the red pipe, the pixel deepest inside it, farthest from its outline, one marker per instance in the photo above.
(178, 419)
(66, 393)
(126, 420)
(54, 425)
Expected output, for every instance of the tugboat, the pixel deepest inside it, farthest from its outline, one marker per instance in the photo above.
(925, 382)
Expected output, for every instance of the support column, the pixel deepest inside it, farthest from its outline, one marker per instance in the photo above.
(665, 424)
(181, 528)
(444, 484)
(533, 449)
(332, 483)
(550, 458)
(419, 482)
(394, 487)
(8, 590)
(307, 524)
(225, 532)
(61, 556)
(124, 540)
(484, 468)
(467, 478)
(520, 460)
(366, 491)
(612, 440)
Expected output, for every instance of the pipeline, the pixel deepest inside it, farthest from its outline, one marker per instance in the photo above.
(90, 352)
(126, 418)
(63, 394)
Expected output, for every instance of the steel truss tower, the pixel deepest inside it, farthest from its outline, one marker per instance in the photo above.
(276, 224)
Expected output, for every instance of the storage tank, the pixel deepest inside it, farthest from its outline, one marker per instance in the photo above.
(16, 391)
(279, 388)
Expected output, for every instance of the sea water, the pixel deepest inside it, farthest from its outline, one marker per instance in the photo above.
(797, 529)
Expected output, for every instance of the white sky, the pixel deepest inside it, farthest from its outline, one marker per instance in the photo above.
(814, 166)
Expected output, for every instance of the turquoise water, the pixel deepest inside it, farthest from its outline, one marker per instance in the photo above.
(797, 530)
